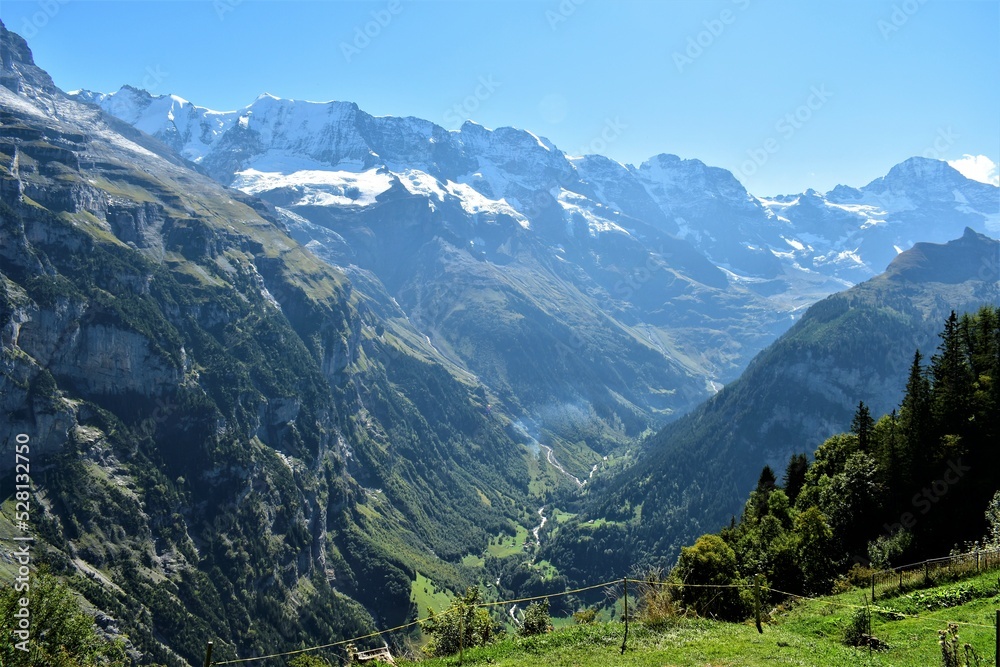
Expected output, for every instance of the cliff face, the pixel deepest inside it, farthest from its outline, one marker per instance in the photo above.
(228, 439)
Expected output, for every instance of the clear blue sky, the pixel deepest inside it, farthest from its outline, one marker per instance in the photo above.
(886, 80)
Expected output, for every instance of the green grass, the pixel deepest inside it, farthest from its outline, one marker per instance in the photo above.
(808, 634)
(503, 546)
(423, 594)
(473, 561)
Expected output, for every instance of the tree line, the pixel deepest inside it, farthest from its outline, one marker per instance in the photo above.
(912, 484)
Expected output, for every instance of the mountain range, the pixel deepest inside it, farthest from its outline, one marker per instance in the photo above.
(280, 365)
(597, 300)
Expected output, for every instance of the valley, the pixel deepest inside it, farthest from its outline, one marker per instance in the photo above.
(296, 373)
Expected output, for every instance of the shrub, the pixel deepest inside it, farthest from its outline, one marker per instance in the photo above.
(657, 606)
(711, 566)
(463, 625)
(61, 634)
(859, 628)
(536, 619)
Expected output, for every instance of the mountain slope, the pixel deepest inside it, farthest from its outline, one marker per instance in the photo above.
(228, 439)
(853, 346)
(586, 321)
(670, 265)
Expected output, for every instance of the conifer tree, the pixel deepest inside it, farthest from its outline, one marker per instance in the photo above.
(795, 476)
(915, 423)
(863, 426)
(952, 381)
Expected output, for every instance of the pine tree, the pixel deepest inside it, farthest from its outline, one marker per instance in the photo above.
(952, 381)
(863, 426)
(767, 482)
(915, 423)
(795, 476)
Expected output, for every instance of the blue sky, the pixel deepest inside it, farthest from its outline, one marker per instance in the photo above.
(786, 94)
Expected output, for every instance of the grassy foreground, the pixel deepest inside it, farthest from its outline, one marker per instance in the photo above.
(808, 634)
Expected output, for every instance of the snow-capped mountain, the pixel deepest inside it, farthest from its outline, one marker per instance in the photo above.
(578, 288)
(330, 152)
(852, 232)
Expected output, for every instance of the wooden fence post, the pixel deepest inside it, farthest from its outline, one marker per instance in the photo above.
(208, 655)
(625, 638)
(756, 602)
(873, 587)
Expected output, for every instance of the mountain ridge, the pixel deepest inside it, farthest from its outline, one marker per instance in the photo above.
(670, 254)
(857, 345)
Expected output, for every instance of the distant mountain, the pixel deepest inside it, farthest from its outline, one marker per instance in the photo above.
(854, 230)
(595, 299)
(853, 346)
(587, 322)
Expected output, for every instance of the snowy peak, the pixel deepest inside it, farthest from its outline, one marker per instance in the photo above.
(921, 170)
(922, 177)
(336, 154)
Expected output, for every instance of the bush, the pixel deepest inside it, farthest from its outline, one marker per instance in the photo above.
(536, 619)
(882, 550)
(711, 566)
(992, 540)
(859, 628)
(585, 616)
(308, 661)
(657, 605)
(61, 634)
(461, 626)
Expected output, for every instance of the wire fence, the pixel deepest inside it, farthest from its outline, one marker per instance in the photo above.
(884, 583)
(925, 573)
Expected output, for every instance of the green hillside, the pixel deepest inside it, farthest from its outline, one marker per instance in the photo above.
(807, 633)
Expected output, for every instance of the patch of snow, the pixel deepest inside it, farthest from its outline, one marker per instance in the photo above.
(319, 187)
(576, 204)
(798, 245)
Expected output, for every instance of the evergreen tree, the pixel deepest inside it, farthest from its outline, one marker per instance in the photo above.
(757, 505)
(915, 422)
(863, 426)
(795, 476)
(952, 381)
(767, 482)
